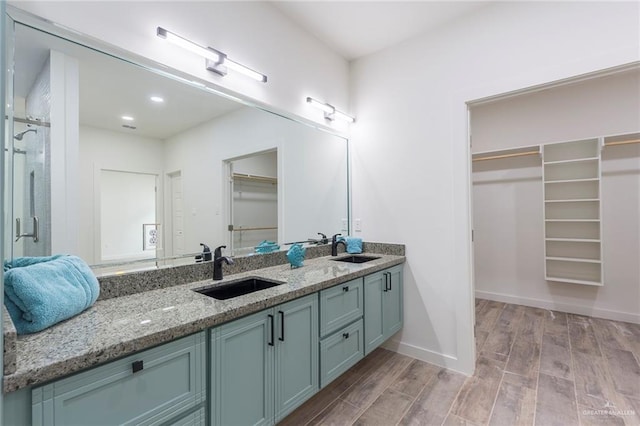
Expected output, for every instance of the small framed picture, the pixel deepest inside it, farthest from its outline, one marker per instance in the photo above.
(149, 236)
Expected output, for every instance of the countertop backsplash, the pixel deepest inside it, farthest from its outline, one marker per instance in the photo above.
(137, 282)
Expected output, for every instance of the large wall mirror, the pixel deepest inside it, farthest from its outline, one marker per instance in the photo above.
(126, 165)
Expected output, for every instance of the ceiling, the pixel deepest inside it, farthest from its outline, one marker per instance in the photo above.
(110, 88)
(358, 28)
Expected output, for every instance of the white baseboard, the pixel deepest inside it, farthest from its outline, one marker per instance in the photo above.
(562, 307)
(442, 360)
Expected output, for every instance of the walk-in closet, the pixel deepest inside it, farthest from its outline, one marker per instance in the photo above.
(556, 196)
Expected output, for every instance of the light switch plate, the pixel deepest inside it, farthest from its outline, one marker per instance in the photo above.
(345, 225)
(358, 225)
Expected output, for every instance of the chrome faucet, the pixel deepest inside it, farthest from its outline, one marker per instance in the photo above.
(334, 244)
(218, 258)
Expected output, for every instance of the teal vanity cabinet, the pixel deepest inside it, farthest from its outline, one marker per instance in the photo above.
(383, 303)
(341, 329)
(162, 385)
(265, 365)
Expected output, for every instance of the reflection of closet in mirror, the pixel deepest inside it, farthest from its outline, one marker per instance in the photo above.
(253, 204)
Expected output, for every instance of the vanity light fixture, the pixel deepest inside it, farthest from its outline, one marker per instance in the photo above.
(127, 118)
(156, 99)
(216, 61)
(330, 112)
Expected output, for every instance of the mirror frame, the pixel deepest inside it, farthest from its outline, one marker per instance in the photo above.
(14, 15)
(3, 133)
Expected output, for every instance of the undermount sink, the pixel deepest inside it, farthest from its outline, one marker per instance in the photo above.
(356, 259)
(238, 288)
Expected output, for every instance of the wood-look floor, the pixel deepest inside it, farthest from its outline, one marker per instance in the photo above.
(534, 367)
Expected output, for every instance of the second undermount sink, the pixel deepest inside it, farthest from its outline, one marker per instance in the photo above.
(356, 259)
(238, 288)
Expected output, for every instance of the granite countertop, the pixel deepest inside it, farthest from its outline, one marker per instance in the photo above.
(120, 326)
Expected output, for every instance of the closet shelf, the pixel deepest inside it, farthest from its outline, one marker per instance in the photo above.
(255, 178)
(573, 220)
(574, 200)
(574, 259)
(573, 281)
(573, 160)
(573, 180)
(574, 240)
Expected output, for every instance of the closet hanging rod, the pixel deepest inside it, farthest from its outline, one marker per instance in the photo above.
(622, 142)
(517, 154)
(255, 177)
(254, 229)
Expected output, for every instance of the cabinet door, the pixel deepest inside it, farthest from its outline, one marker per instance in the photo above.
(143, 389)
(196, 418)
(296, 353)
(242, 359)
(374, 285)
(392, 302)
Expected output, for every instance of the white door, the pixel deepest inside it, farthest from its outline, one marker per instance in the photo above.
(127, 214)
(177, 214)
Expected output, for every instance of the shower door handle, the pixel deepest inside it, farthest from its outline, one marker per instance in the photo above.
(35, 234)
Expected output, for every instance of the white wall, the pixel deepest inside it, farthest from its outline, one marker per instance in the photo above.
(253, 33)
(64, 152)
(411, 178)
(103, 149)
(508, 222)
(604, 105)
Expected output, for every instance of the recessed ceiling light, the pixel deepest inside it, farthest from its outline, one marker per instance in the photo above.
(127, 118)
(156, 99)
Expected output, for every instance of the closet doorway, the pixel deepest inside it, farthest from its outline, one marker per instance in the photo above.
(252, 203)
(559, 230)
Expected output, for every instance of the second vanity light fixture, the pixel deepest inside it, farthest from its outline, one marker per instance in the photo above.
(330, 112)
(216, 61)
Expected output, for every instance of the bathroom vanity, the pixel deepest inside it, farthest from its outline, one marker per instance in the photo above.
(175, 356)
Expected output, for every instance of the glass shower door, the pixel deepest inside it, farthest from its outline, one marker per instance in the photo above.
(31, 196)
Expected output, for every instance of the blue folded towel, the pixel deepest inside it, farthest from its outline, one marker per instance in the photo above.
(42, 291)
(267, 247)
(354, 245)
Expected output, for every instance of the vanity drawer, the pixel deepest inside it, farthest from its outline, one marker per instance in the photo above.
(340, 305)
(147, 388)
(341, 351)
